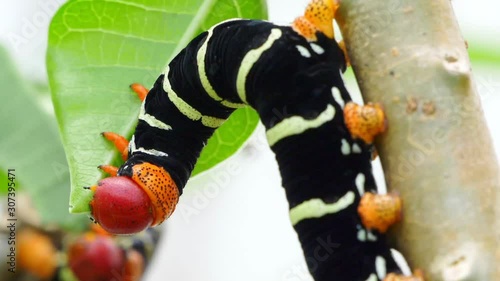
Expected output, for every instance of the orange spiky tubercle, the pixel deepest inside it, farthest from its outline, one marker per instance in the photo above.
(318, 17)
(365, 121)
(379, 211)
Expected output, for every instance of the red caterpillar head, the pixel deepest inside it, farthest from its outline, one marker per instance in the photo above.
(123, 205)
(96, 257)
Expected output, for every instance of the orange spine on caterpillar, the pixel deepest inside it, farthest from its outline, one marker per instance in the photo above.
(365, 122)
(318, 17)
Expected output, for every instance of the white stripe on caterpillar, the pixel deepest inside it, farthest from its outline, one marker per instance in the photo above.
(250, 59)
(154, 152)
(151, 120)
(380, 267)
(401, 262)
(205, 82)
(186, 109)
(296, 125)
(316, 208)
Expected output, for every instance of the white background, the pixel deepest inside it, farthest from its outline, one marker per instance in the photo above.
(232, 224)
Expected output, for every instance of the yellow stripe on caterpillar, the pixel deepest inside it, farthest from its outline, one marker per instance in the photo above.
(316, 208)
(297, 125)
(186, 109)
(205, 82)
(250, 59)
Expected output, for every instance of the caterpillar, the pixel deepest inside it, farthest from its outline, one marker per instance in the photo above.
(56, 255)
(323, 144)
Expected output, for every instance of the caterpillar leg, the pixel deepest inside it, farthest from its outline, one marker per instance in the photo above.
(379, 211)
(140, 90)
(120, 142)
(365, 121)
(92, 188)
(109, 169)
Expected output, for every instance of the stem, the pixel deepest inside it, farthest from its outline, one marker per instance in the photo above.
(437, 153)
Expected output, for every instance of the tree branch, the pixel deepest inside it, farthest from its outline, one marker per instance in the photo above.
(437, 153)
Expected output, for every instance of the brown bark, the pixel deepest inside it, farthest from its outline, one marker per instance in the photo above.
(437, 153)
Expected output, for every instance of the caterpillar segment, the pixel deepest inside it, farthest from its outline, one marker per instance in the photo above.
(322, 141)
(151, 183)
(159, 187)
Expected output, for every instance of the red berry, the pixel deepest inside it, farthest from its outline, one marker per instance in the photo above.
(96, 258)
(120, 206)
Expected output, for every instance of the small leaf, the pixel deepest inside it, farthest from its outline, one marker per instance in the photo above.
(30, 144)
(97, 48)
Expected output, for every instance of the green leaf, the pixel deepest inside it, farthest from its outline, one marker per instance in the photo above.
(484, 53)
(30, 144)
(97, 48)
(3, 175)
